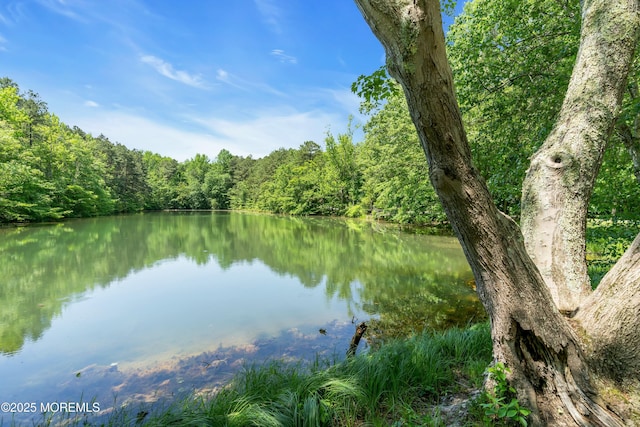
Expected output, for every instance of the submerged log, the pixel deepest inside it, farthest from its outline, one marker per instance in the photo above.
(360, 330)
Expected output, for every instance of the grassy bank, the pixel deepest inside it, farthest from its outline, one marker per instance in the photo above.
(400, 384)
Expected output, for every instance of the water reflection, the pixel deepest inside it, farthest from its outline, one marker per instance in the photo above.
(44, 268)
(204, 373)
(141, 290)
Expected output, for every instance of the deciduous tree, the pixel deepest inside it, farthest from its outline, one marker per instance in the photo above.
(574, 355)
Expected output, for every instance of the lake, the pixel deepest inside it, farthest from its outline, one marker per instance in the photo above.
(136, 309)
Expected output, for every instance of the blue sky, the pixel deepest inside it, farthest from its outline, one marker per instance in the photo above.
(192, 76)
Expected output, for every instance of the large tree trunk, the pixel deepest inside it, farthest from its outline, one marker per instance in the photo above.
(562, 174)
(554, 366)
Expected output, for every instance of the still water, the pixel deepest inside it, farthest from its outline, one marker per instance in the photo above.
(139, 308)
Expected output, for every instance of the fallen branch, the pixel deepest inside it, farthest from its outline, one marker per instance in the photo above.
(360, 330)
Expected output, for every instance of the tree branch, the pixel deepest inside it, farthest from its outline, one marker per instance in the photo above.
(560, 180)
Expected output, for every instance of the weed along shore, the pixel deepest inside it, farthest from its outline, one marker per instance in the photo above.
(402, 382)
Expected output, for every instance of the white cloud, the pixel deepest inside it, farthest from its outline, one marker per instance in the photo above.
(245, 85)
(137, 132)
(15, 13)
(60, 7)
(283, 57)
(225, 77)
(167, 70)
(91, 104)
(348, 100)
(3, 42)
(269, 130)
(271, 14)
(256, 135)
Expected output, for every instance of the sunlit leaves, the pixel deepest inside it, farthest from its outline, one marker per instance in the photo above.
(511, 61)
(341, 154)
(162, 176)
(374, 88)
(396, 182)
(9, 110)
(25, 194)
(448, 6)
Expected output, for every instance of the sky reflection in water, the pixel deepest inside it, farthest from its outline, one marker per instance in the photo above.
(193, 297)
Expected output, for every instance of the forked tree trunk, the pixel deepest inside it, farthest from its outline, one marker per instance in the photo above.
(562, 174)
(558, 365)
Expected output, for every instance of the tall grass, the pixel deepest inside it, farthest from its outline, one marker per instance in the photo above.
(401, 377)
(398, 384)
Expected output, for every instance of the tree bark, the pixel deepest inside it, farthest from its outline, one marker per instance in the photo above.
(560, 180)
(550, 363)
(611, 319)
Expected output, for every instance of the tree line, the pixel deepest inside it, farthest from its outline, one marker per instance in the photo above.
(509, 85)
(50, 171)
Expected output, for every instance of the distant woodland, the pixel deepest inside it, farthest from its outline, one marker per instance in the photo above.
(50, 170)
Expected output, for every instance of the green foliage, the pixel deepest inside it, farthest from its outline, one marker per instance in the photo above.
(511, 62)
(374, 89)
(162, 179)
(501, 406)
(396, 184)
(448, 6)
(252, 190)
(309, 181)
(194, 171)
(355, 211)
(9, 110)
(57, 171)
(617, 171)
(218, 180)
(124, 175)
(342, 170)
(606, 242)
(25, 195)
